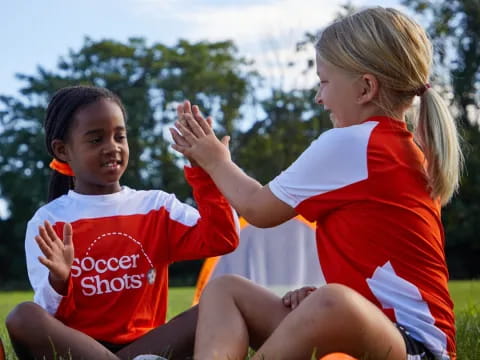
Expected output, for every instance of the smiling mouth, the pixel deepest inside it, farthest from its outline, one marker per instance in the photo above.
(113, 164)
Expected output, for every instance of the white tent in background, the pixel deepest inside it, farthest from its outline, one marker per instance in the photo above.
(281, 258)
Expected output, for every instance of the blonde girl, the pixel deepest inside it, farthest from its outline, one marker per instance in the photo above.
(375, 190)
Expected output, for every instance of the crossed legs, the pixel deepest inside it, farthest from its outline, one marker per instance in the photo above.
(36, 334)
(234, 313)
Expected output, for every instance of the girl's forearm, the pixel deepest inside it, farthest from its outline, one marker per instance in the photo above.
(240, 189)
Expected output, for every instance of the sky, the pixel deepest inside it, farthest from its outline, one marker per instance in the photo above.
(36, 32)
(39, 32)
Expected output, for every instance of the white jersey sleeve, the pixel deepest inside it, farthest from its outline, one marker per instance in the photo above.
(336, 159)
(45, 295)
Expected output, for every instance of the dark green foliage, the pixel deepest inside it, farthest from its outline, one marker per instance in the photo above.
(291, 123)
(148, 79)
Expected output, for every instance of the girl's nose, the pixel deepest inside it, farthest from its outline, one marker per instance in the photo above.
(318, 98)
(111, 146)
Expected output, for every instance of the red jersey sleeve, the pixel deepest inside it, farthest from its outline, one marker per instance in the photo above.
(215, 232)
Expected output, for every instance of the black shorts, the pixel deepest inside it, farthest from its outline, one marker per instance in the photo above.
(415, 349)
(114, 348)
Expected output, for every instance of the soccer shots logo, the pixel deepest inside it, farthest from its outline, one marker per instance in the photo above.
(100, 275)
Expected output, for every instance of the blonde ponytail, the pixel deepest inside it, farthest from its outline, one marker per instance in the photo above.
(437, 135)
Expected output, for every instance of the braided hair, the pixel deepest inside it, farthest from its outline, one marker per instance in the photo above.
(58, 120)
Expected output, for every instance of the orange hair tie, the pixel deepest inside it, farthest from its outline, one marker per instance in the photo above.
(61, 167)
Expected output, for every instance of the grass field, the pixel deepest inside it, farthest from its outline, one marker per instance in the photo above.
(466, 296)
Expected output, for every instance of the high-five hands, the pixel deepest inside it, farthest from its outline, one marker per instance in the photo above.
(293, 298)
(194, 137)
(58, 254)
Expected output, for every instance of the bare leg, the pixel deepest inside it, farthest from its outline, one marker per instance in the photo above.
(36, 334)
(174, 340)
(235, 312)
(335, 318)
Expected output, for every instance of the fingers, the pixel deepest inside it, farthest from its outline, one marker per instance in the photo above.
(186, 109)
(286, 299)
(67, 234)
(196, 125)
(177, 138)
(293, 298)
(50, 232)
(204, 124)
(296, 299)
(226, 141)
(45, 238)
(188, 133)
(180, 111)
(44, 246)
(43, 260)
(290, 299)
(181, 149)
(183, 109)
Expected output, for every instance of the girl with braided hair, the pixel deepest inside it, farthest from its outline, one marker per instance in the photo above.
(98, 252)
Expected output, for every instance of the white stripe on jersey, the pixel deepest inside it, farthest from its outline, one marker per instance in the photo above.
(74, 206)
(337, 158)
(411, 311)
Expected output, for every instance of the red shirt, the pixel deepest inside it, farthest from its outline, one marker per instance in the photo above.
(378, 229)
(123, 244)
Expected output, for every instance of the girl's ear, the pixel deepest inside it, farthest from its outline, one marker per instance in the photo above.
(60, 150)
(368, 86)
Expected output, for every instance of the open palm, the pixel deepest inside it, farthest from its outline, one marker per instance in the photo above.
(58, 254)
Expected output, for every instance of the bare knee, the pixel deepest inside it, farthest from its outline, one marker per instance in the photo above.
(226, 284)
(350, 322)
(22, 318)
(338, 300)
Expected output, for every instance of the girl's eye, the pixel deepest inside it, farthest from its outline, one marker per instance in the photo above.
(95, 140)
(121, 137)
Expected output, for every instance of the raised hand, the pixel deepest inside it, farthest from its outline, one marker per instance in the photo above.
(58, 254)
(183, 109)
(293, 298)
(194, 138)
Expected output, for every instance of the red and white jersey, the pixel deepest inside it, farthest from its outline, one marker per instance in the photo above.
(123, 245)
(378, 230)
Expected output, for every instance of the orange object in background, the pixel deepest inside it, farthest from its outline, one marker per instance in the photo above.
(337, 356)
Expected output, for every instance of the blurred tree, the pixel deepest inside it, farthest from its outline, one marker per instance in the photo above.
(292, 121)
(150, 80)
(454, 27)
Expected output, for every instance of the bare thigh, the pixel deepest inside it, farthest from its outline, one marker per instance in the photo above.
(261, 309)
(335, 318)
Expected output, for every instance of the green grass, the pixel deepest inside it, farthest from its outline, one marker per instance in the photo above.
(466, 296)
(179, 299)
